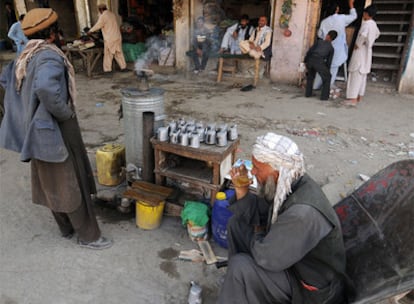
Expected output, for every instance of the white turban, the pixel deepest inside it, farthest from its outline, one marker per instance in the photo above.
(282, 154)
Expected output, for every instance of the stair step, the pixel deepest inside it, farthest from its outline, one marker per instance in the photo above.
(382, 66)
(393, 2)
(395, 44)
(385, 55)
(392, 22)
(393, 33)
(389, 12)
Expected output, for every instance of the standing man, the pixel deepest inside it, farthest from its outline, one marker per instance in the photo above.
(112, 39)
(318, 60)
(235, 34)
(16, 34)
(285, 243)
(40, 123)
(361, 60)
(259, 44)
(336, 22)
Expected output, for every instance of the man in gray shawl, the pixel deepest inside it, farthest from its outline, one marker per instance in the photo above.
(40, 123)
(285, 242)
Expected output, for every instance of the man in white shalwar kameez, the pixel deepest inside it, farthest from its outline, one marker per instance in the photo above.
(360, 64)
(336, 22)
(259, 43)
(111, 33)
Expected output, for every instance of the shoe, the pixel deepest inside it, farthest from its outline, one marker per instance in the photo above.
(107, 74)
(247, 88)
(101, 243)
(125, 70)
(196, 72)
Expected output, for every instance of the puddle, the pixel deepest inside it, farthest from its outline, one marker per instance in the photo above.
(170, 269)
(168, 253)
(108, 213)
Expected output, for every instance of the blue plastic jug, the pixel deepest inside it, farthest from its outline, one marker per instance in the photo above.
(220, 216)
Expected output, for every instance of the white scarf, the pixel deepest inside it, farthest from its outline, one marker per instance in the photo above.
(282, 154)
(34, 46)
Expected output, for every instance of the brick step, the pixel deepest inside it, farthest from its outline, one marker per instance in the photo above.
(393, 33)
(392, 22)
(392, 44)
(393, 2)
(386, 55)
(389, 12)
(382, 66)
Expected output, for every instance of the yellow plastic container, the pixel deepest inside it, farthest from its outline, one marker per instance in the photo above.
(148, 216)
(109, 162)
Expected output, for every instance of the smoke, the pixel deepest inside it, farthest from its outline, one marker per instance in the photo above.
(154, 45)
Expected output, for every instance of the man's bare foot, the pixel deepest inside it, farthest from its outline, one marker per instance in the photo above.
(350, 102)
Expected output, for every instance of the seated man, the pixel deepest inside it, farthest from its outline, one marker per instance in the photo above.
(201, 45)
(259, 44)
(318, 60)
(285, 242)
(235, 34)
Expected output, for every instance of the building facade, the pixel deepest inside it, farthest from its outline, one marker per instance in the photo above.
(294, 24)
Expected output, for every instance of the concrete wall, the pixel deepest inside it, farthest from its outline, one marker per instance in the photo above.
(82, 14)
(406, 84)
(182, 32)
(288, 52)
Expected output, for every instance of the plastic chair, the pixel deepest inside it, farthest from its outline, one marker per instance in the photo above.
(377, 223)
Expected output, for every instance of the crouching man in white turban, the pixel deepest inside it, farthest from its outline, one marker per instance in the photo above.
(285, 242)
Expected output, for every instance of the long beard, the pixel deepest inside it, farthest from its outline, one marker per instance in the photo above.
(268, 190)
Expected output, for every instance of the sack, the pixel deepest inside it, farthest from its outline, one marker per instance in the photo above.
(166, 56)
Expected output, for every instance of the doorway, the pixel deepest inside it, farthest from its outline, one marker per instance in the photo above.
(66, 12)
(147, 17)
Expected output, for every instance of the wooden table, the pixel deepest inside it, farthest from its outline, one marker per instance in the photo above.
(90, 57)
(207, 177)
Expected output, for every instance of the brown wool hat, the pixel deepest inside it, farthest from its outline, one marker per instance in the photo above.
(38, 19)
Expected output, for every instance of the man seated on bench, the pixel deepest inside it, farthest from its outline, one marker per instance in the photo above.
(259, 44)
(236, 33)
(201, 45)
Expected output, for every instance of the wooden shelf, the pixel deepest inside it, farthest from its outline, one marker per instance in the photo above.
(190, 168)
(196, 166)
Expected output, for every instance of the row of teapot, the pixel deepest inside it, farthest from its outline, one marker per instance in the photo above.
(194, 136)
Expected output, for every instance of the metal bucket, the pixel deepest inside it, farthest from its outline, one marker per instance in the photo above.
(134, 103)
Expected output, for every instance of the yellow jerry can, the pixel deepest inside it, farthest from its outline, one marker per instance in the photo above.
(110, 159)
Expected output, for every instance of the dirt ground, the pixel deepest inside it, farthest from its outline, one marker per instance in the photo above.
(339, 144)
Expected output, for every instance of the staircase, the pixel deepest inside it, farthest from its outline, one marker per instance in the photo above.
(393, 19)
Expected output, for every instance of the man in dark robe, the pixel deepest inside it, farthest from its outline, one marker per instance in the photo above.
(285, 243)
(40, 123)
(318, 60)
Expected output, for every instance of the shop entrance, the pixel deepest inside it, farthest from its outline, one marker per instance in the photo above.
(147, 17)
(66, 11)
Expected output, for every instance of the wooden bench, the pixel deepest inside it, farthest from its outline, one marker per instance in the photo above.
(236, 58)
(233, 68)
